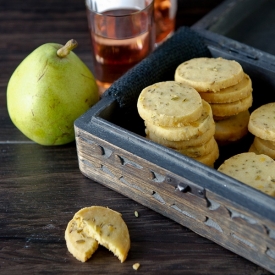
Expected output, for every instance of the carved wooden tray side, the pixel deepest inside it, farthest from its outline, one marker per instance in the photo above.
(215, 206)
(202, 211)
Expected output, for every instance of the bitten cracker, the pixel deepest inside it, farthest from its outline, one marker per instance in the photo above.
(209, 74)
(79, 244)
(262, 122)
(169, 104)
(255, 170)
(107, 227)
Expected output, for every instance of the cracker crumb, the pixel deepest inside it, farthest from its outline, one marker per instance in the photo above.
(136, 213)
(136, 266)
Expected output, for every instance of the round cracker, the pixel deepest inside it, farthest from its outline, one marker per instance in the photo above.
(252, 169)
(232, 128)
(262, 148)
(253, 149)
(209, 74)
(218, 118)
(267, 143)
(169, 104)
(210, 158)
(262, 122)
(196, 128)
(81, 246)
(107, 227)
(200, 150)
(233, 108)
(230, 94)
(194, 141)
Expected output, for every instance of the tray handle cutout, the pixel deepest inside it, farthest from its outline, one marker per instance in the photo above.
(186, 186)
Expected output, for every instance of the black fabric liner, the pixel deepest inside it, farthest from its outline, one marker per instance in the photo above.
(159, 66)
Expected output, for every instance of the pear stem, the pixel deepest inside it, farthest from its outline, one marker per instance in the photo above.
(67, 48)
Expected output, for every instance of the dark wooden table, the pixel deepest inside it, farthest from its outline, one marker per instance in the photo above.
(41, 187)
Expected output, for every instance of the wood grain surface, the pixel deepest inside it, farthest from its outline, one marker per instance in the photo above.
(41, 187)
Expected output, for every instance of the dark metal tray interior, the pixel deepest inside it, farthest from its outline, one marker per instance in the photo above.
(251, 22)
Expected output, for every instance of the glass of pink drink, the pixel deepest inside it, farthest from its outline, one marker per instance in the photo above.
(122, 34)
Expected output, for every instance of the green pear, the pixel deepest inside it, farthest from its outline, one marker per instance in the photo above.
(49, 89)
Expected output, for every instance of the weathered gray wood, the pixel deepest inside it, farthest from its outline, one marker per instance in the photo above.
(233, 227)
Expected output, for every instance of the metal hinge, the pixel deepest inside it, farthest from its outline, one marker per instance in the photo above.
(186, 186)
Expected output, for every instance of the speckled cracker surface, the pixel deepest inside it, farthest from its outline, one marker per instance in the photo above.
(232, 128)
(181, 144)
(263, 148)
(200, 150)
(210, 158)
(267, 143)
(262, 122)
(252, 169)
(230, 94)
(107, 227)
(78, 243)
(232, 108)
(196, 128)
(209, 74)
(169, 104)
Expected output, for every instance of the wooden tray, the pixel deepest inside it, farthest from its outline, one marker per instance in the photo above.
(215, 206)
(247, 21)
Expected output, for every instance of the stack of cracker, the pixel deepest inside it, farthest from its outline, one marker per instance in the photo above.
(228, 90)
(97, 225)
(177, 117)
(262, 126)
